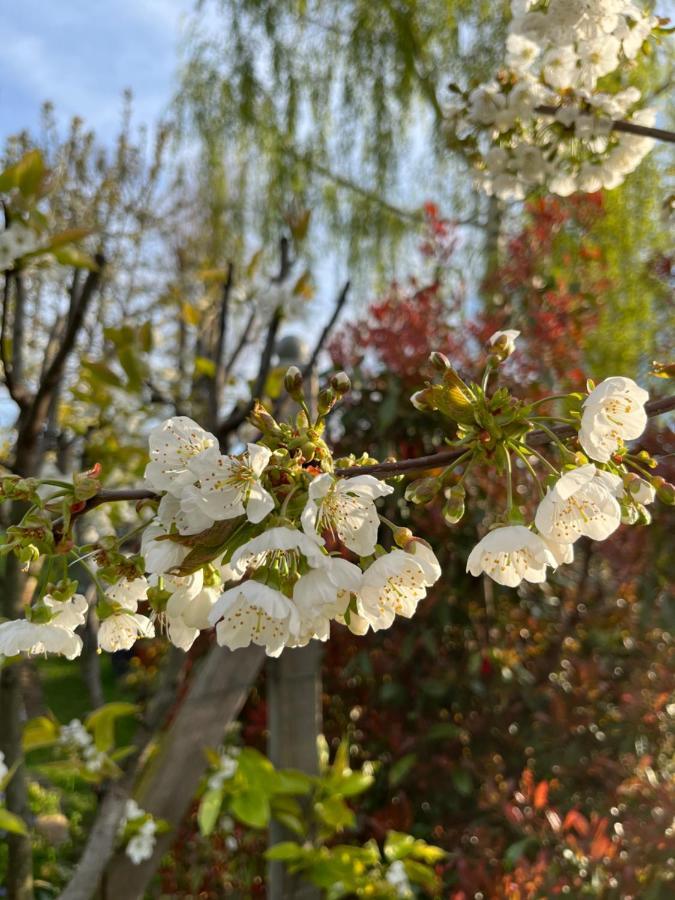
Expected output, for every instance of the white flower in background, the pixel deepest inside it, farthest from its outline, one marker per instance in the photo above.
(227, 767)
(132, 811)
(510, 555)
(277, 544)
(597, 57)
(75, 733)
(394, 585)
(346, 508)
(321, 595)
(53, 636)
(229, 486)
(582, 502)
(121, 629)
(3, 767)
(560, 67)
(612, 413)
(397, 877)
(252, 612)
(15, 242)
(141, 846)
(521, 52)
(160, 556)
(504, 342)
(173, 444)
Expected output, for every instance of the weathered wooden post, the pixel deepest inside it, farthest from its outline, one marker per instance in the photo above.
(293, 702)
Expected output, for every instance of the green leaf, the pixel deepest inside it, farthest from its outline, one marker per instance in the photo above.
(354, 783)
(401, 768)
(39, 732)
(207, 816)
(71, 256)
(252, 808)
(291, 781)
(101, 723)
(10, 822)
(205, 366)
(463, 782)
(286, 851)
(335, 813)
(99, 371)
(134, 369)
(518, 850)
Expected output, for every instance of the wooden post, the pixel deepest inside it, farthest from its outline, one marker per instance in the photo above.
(294, 722)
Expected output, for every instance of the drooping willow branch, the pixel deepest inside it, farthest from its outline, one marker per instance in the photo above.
(659, 134)
(415, 464)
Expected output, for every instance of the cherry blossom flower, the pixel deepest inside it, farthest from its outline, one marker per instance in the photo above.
(582, 502)
(612, 413)
(510, 555)
(281, 542)
(122, 628)
(187, 517)
(229, 486)
(161, 556)
(141, 846)
(252, 612)
(173, 444)
(394, 585)
(345, 507)
(56, 635)
(503, 343)
(321, 595)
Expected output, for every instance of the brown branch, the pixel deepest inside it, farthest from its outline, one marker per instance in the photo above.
(660, 134)
(238, 416)
(339, 304)
(34, 413)
(219, 376)
(535, 439)
(17, 392)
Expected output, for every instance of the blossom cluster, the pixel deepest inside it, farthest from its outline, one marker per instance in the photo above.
(16, 241)
(76, 738)
(558, 55)
(137, 830)
(587, 500)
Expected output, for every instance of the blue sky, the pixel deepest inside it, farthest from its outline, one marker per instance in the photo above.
(82, 54)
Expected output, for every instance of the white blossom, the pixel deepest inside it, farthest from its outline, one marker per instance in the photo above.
(229, 486)
(252, 612)
(3, 767)
(397, 877)
(582, 502)
(161, 555)
(394, 585)
(53, 636)
(323, 594)
(504, 342)
(173, 444)
(346, 508)
(141, 846)
(121, 629)
(510, 555)
(277, 543)
(641, 491)
(15, 242)
(612, 413)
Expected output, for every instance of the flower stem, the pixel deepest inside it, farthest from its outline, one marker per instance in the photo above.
(509, 479)
(523, 456)
(564, 451)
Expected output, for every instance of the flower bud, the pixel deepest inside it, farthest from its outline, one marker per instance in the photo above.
(403, 536)
(453, 510)
(293, 382)
(261, 419)
(423, 490)
(503, 343)
(439, 361)
(665, 491)
(327, 400)
(340, 383)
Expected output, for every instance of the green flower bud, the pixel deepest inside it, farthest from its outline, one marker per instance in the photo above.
(327, 400)
(293, 382)
(340, 383)
(423, 490)
(440, 361)
(453, 511)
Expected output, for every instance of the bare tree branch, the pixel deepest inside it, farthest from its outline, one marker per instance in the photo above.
(220, 375)
(325, 334)
(660, 134)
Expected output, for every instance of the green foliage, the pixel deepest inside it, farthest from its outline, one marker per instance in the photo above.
(318, 809)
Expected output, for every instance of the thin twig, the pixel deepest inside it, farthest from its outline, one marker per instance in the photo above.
(219, 375)
(435, 460)
(660, 134)
(337, 309)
